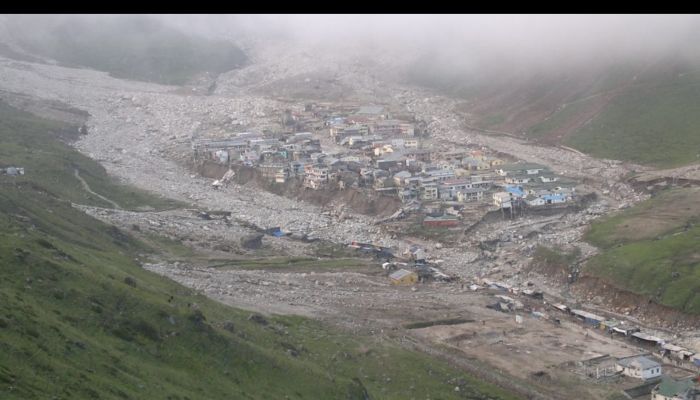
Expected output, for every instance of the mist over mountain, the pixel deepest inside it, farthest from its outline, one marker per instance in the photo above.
(134, 47)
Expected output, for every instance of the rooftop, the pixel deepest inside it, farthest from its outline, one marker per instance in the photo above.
(586, 314)
(670, 387)
(640, 362)
(553, 197)
(644, 336)
(521, 166)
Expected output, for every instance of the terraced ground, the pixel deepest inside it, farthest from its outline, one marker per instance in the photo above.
(80, 318)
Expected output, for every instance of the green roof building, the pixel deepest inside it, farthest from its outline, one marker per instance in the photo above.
(673, 389)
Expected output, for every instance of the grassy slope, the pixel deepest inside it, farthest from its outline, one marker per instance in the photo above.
(643, 246)
(656, 124)
(646, 112)
(79, 318)
(558, 119)
(134, 47)
(50, 163)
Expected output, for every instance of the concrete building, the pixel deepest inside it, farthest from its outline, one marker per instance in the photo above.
(639, 367)
(429, 192)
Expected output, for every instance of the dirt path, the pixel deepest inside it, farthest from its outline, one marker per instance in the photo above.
(87, 189)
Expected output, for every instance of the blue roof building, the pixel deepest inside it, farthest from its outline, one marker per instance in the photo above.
(554, 198)
(515, 190)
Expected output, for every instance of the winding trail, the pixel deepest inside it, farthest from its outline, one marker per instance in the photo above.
(87, 189)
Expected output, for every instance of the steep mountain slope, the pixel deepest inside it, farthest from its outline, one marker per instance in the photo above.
(645, 111)
(133, 47)
(79, 317)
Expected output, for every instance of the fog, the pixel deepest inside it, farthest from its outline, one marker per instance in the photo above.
(461, 42)
(534, 40)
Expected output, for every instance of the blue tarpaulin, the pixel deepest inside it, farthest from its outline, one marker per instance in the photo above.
(278, 233)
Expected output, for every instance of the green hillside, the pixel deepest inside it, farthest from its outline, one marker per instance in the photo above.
(80, 319)
(655, 124)
(132, 47)
(646, 112)
(653, 249)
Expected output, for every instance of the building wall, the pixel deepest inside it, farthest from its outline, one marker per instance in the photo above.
(645, 374)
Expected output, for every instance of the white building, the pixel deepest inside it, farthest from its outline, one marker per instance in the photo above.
(537, 201)
(639, 367)
(502, 199)
(517, 179)
(467, 195)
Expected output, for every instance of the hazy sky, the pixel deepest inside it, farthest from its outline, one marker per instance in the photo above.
(525, 39)
(462, 40)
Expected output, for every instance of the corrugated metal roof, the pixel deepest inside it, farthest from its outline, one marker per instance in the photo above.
(586, 314)
(644, 336)
(639, 362)
(670, 387)
(673, 347)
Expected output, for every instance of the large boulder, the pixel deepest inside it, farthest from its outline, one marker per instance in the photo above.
(253, 241)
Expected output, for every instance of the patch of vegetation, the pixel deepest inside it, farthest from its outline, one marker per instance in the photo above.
(443, 235)
(427, 324)
(132, 47)
(80, 319)
(293, 263)
(655, 124)
(171, 247)
(559, 118)
(554, 262)
(666, 213)
(653, 118)
(653, 249)
(491, 120)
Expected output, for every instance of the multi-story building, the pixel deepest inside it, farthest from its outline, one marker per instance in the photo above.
(317, 176)
(278, 172)
(429, 192)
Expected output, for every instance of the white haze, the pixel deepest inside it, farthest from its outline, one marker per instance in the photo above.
(468, 40)
(461, 42)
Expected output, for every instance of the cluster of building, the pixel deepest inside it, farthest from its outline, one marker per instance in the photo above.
(645, 367)
(385, 153)
(613, 326)
(530, 185)
(284, 156)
